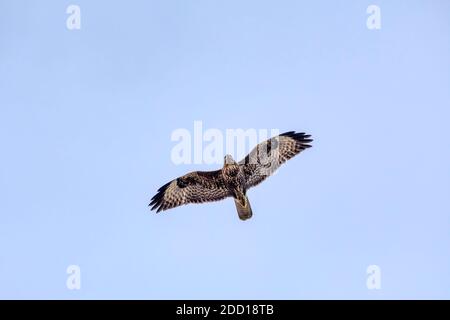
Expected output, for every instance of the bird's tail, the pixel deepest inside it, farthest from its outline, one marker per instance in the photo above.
(243, 207)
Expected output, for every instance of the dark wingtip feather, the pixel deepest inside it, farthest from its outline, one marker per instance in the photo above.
(158, 198)
(288, 134)
(300, 137)
(164, 187)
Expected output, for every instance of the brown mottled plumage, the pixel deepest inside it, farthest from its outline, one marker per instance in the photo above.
(234, 179)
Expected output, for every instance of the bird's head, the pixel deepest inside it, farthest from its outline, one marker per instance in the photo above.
(228, 160)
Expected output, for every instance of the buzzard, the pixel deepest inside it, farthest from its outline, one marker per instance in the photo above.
(235, 178)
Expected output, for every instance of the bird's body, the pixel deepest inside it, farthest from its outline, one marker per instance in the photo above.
(233, 176)
(234, 179)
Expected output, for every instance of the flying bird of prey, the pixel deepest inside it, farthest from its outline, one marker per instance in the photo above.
(235, 178)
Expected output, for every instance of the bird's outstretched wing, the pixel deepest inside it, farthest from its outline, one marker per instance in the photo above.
(194, 187)
(267, 156)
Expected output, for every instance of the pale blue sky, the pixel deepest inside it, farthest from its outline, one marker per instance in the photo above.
(86, 118)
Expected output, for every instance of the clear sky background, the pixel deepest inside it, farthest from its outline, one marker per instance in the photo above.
(86, 118)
